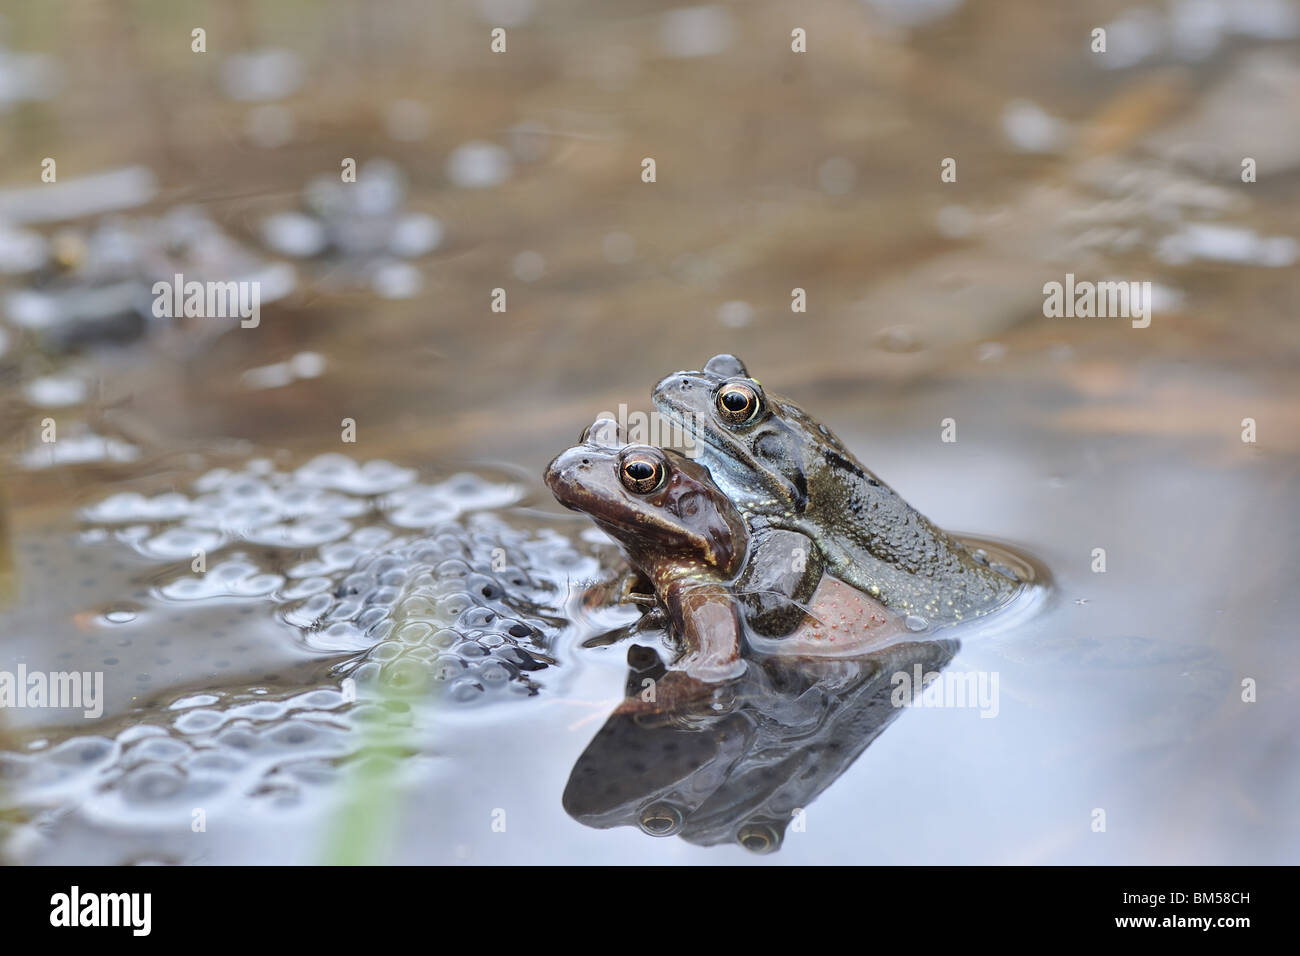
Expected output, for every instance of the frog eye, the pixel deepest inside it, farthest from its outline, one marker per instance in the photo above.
(758, 838)
(641, 473)
(738, 403)
(661, 820)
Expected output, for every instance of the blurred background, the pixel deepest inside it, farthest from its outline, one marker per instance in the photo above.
(775, 170)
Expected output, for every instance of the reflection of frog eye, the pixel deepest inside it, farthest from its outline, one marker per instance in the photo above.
(661, 819)
(758, 838)
(641, 473)
(738, 403)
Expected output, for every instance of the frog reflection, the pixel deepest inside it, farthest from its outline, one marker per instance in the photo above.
(744, 773)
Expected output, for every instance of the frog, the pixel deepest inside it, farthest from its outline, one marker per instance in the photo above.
(785, 470)
(677, 530)
(723, 588)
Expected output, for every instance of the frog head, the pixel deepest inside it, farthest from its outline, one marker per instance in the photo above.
(761, 449)
(663, 508)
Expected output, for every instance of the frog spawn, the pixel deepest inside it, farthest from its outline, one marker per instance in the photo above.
(451, 608)
(414, 591)
(434, 615)
(361, 228)
(208, 750)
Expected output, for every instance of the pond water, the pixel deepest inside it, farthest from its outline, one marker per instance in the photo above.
(338, 617)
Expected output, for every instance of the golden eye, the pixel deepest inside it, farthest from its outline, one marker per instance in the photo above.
(737, 403)
(641, 473)
(758, 838)
(661, 820)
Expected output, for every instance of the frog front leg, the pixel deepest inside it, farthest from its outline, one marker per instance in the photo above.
(708, 622)
(779, 581)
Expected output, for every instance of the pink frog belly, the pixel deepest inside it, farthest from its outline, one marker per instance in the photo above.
(842, 622)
